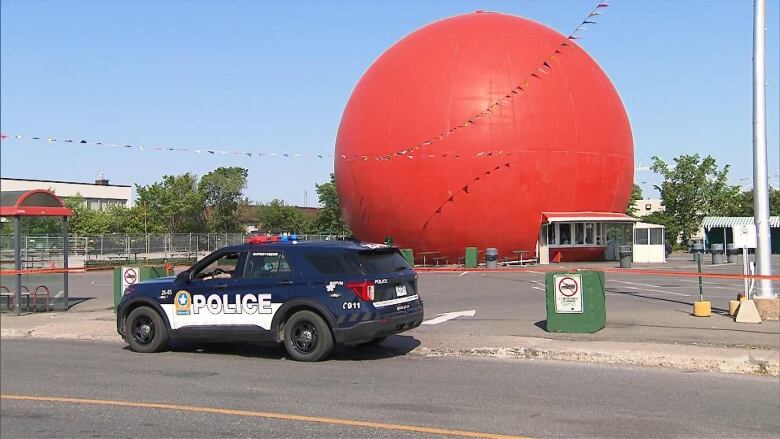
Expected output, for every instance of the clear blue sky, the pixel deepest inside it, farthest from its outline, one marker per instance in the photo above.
(275, 77)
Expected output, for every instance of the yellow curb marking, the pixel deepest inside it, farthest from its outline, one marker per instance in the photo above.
(269, 415)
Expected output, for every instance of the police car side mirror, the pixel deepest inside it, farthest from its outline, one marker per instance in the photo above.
(184, 276)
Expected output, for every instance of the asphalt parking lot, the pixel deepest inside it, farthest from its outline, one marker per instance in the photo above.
(639, 307)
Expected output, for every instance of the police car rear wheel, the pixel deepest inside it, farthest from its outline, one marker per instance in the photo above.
(146, 330)
(307, 337)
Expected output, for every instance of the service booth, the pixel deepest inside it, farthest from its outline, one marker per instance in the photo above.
(649, 243)
(583, 236)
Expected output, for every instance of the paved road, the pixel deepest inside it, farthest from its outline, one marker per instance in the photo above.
(379, 386)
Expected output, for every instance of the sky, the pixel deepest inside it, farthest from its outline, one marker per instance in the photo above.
(276, 76)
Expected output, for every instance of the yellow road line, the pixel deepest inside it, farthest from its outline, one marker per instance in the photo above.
(268, 415)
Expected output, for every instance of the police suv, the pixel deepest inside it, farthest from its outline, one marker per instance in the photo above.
(307, 295)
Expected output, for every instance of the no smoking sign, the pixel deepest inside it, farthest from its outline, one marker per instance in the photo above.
(129, 277)
(568, 293)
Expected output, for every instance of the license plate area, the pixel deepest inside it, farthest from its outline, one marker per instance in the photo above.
(400, 290)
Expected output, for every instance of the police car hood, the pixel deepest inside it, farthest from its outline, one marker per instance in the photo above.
(158, 281)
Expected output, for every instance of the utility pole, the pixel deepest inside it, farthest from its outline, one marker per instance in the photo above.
(760, 160)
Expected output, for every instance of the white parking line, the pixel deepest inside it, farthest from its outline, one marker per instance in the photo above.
(658, 291)
(538, 288)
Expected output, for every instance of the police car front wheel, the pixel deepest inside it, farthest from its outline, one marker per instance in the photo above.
(145, 330)
(307, 337)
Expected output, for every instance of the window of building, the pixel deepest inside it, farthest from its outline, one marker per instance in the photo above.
(589, 231)
(641, 236)
(656, 236)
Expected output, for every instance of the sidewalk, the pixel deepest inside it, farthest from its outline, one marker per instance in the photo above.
(100, 325)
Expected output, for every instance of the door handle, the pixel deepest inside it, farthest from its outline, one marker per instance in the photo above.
(285, 282)
(220, 286)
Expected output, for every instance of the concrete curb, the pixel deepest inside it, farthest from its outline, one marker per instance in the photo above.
(676, 356)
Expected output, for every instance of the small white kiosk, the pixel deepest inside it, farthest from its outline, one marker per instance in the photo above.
(649, 243)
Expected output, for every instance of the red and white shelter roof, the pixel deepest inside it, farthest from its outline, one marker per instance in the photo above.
(37, 202)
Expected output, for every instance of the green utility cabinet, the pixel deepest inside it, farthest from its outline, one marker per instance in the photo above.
(125, 276)
(471, 257)
(575, 301)
(408, 254)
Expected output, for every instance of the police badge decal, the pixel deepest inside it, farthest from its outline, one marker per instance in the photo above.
(183, 303)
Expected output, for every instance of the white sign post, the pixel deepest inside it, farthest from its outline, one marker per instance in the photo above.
(745, 238)
(568, 293)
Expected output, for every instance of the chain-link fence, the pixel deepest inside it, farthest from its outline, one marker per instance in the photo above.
(45, 251)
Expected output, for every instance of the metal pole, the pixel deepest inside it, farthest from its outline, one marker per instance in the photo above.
(760, 165)
(18, 265)
(701, 289)
(65, 259)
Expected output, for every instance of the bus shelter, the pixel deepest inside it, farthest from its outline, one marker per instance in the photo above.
(17, 205)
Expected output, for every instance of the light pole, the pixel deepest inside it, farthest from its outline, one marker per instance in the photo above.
(760, 160)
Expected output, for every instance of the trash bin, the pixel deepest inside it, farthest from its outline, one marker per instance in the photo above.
(491, 257)
(470, 260)
(626, 254)
(731, 253)
(125, 276)
(575, 302)
(717, 253)
(408, 254)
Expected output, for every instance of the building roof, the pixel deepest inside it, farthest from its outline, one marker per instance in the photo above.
(602, 217)
(66, 182)
(37, 202)
(728, 221)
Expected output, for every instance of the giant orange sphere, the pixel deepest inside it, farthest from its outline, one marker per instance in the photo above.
(466, 130)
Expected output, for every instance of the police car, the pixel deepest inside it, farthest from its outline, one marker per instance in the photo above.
(307, 295)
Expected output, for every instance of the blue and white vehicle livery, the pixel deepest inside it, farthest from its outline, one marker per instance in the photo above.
(307, 295)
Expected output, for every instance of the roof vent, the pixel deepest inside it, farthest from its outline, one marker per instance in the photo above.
(101, 180)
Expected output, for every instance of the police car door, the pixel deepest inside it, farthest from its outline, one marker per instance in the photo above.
(208, 298)
(265, 277)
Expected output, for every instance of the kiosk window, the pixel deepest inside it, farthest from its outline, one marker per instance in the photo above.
(565, 236)
(656, 237)
(579, 233)
(640, 236)
(589, 233)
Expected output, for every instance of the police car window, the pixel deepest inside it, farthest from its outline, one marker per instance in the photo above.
(222, 268)
(381, 261)
(266, 264)
(332, 263)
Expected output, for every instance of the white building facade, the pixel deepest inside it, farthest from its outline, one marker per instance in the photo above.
(97, 196)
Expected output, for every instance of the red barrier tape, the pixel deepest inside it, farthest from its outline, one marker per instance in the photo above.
(633, 271)
(536, 268)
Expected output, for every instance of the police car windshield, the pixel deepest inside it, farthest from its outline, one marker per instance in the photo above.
(374, 262)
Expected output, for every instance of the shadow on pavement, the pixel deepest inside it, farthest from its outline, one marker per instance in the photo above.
(394, 346)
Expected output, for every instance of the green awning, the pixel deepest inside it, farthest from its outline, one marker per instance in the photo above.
(728, 221)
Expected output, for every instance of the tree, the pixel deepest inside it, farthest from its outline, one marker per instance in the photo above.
(278, 215)
(173, 205)
(743, 205)
(222, 191)
(636, 195)
(693, 188)
(329, 218)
